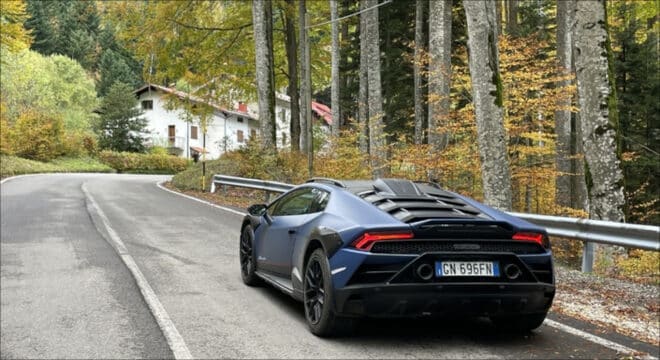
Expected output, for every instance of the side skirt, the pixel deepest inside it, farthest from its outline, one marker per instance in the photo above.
(280, 283)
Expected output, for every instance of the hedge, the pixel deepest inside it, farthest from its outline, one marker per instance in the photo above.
(143, 163)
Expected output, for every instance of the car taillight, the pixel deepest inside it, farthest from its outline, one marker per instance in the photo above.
(533, 237)
(367, 240)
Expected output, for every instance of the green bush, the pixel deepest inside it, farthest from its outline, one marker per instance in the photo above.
(5, 141)
(158, 150)
(79, 144)
(143, 163)
(37, 136)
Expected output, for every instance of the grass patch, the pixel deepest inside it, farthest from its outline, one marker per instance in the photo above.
(12, 165)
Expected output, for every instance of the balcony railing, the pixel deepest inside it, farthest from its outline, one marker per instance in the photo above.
(177, 142)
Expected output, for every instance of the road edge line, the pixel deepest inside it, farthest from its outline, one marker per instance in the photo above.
(595, 339)
(160, 185)
(172, 335)
(19, 176)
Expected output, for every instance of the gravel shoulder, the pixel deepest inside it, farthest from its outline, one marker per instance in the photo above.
(626, 307)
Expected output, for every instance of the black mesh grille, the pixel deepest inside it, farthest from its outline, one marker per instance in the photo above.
(420, 247)
(375, 273)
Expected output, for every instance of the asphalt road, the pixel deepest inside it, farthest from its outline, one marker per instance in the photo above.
(67, 294)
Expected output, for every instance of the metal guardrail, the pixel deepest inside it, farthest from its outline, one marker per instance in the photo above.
(596, 231)
(590, 231)
(267, 186)
(604, 232)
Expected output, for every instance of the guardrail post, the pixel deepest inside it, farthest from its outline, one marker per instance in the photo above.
(267, 197)
(212, 187)
(588, 257)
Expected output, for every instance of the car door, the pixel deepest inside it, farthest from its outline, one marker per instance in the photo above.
(285, 218)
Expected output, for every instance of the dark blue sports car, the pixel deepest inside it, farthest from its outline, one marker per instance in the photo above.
(393, 248)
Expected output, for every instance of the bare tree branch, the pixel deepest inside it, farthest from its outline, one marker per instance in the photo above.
(204, 28)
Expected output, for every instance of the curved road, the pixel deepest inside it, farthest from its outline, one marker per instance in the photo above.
(67, 294)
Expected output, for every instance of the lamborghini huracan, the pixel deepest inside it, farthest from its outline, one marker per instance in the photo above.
(396, 248)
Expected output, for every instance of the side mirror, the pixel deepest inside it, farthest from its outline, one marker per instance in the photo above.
(257, 209)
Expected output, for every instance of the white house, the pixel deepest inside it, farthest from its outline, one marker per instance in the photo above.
(227, 129)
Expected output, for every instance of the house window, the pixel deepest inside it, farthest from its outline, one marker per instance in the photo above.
(193, 132)
(239, 119)
(239, 136)
(171, 134)
(147, 104)
(253, 134)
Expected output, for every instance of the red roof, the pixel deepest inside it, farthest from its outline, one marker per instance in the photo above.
(322, 111)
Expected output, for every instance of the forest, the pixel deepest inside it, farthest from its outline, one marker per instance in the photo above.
(539, 106)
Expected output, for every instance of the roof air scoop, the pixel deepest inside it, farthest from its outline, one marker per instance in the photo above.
(397, 187)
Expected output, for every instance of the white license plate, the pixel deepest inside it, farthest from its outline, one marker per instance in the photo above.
(467, 268)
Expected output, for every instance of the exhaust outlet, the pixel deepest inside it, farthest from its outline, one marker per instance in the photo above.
(425, 272)
(512, 271)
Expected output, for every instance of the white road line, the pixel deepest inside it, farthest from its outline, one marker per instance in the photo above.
(174, 339)
(595, 339)
(160, 185)
(571, 330)
(18, 177)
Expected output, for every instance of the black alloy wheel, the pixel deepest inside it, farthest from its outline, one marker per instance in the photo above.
(314, 292)
(318, 298)
(248, 265)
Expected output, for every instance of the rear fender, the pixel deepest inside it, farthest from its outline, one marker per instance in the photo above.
(330, 242)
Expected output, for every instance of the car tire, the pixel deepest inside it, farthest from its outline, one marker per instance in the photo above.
(318, 299)
(519, 323)
(246, 257)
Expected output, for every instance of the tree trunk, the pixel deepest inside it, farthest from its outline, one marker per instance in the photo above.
(375, 103)
(565, 13)
(498, 10)
(292, 62)
(262, 17)
(346, 97)
(336, 117)
(417, 70)
(597, 112)
(512, 17)
(363, 94)
(439, 71)
(305, 85)
(579, 192)
(487, 97)
(386, 35)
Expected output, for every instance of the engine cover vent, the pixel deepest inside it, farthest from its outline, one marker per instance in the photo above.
(397, 187)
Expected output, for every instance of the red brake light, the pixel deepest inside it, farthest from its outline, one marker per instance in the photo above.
(533, 237)
(367, 240)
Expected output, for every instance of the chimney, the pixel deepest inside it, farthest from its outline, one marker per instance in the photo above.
(242, 107)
